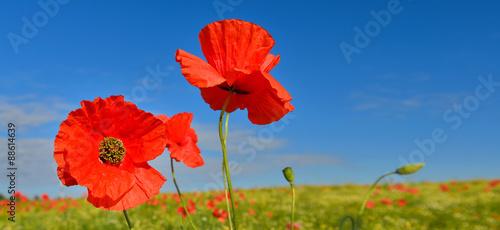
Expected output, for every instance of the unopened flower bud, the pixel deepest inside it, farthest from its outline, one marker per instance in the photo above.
(288, 174)
(409, 169)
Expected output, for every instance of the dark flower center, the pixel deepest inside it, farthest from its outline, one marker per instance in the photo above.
(111, 151)
(226, 87)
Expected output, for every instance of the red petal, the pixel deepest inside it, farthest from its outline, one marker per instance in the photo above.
(216, 97)
(141, 133)
(198, 72)
(148, 184)
(270, 62)
(234, 43)
(280, 90)
(177, 126)
(182, 140)
(264, 107)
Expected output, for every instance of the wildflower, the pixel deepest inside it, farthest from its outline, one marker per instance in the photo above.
(370, 204)
(238, 60)
(295, 226)
(251, 212)
(386, 201)
(220, 214)
(210, 204)
(45, 197)
(105, 146)
(444, 188)
(401, 202)
(181, 139)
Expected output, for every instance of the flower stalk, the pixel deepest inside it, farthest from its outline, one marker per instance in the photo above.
(405, 170)
(288, 173)
(126, 218)
(224, 155)
(180, 195)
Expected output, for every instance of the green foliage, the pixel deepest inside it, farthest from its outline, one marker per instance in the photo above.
(465, 205)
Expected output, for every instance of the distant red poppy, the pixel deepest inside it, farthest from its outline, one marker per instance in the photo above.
(386, 201)
(401, 202)
(191, 208)
(487, 189)
(444, 188)
(251, 212)
(45, 197)
(270, 214)
(238, 60)
(494, 183)
(105, 146)
(295, 226)
(370, 204)
(220, 214)
(210, 204)
(181, 139)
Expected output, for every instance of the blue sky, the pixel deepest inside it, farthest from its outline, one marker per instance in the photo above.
(428, 70)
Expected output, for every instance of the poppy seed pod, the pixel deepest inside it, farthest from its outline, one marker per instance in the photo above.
(288, 174)
(409, 169)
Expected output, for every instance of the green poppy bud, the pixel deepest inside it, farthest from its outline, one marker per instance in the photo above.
(409, 169)
(288, 174)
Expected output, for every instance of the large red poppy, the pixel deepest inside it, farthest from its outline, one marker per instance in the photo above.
(181, 139)
(105, 146)
(238, 59)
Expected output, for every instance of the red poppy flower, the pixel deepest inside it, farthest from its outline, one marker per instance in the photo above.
(45, 197)
(105, 146)
(181, 139)
(401, 202)
(386, 201)
(295, 226)
(238, 60)
(210, 204)
(444, 188)
(370, 204)
(220, 214)
(251, 212)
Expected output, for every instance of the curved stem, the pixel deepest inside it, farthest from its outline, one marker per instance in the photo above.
(227, 199)
(345, 218)
(180, 195)
(224, 155)
(362, 209)
(224, 177)
(126, 218)
(293, 204)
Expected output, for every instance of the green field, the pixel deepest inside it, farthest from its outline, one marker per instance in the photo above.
(452, 205)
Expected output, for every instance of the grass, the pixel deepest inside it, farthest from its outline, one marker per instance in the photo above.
(451, 205)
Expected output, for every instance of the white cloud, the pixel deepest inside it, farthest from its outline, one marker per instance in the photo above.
(399, 105)
(34, 162)
(31, 110)
(263, 138)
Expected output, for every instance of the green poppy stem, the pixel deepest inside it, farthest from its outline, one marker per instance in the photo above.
(293, 204)
(227, 198)
(224, 177)
(180, 195)
(224, 155)
(347, 218)
(126, 218)
(362, 209)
